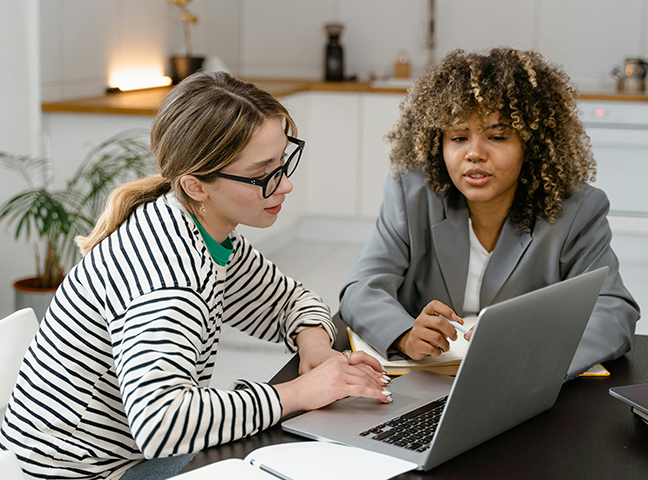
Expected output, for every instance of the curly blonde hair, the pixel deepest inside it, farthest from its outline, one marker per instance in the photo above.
(534, 96)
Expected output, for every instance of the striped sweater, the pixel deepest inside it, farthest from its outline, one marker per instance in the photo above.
(119, 370)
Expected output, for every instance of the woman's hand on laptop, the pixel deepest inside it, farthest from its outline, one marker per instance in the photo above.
(430, 333)
(336, 378)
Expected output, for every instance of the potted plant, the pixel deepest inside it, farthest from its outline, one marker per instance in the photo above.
(183, 66)
(51, 218)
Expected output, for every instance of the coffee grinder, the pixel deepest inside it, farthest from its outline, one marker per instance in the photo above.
(334, 60)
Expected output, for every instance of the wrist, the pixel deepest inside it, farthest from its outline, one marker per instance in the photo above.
(401, 343)
(288, 396)
(313, 337)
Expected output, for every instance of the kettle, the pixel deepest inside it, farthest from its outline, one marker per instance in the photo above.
(633, 77)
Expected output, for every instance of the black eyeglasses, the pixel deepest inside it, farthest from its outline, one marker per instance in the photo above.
(271, 182)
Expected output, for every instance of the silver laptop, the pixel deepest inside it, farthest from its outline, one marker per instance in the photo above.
(515, 365)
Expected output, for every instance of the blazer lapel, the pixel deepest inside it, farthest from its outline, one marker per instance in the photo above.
(510, 247)
(452, 248)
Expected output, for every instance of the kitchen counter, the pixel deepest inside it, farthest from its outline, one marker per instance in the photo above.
(146, 102)
(614, 97)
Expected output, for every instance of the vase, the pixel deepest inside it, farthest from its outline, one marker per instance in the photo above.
(28, 294)
(182, 67)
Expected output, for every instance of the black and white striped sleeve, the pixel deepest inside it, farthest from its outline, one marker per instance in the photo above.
(264, 303)
(158, 344)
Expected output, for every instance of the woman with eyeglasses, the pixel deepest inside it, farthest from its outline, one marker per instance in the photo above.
(116, 382)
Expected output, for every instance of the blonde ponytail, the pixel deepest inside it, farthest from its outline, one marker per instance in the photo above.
(121, 204)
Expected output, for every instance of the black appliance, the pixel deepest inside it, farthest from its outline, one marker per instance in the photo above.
(334, 60)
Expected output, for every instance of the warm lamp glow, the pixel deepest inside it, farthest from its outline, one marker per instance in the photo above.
(125, 81)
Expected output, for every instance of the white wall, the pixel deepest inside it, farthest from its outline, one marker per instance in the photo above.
(85, 42)
(587, 37)
(19, 123)
(286, 38)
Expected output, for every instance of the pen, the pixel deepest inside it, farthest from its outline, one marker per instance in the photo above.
(458, 326)
(269, 470)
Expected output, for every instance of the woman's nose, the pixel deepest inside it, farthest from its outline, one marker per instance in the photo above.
(476, 151)
(285, 186)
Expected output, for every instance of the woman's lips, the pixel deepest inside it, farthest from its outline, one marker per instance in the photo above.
(274, 210)
(476, 176)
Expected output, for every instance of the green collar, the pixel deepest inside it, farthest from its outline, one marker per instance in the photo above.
(220, 252)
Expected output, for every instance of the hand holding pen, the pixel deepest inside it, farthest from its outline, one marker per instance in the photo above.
(457, 325)
(434, 327)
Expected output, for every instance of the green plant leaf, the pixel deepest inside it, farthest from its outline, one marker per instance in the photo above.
(31, 169)
(56, 217)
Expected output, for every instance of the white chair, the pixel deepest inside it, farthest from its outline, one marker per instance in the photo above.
(9, 466)
(16, 333)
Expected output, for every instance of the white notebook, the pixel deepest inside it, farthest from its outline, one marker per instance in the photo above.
(305, 461)
(447, 363)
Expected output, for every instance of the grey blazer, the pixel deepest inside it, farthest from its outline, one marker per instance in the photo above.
(419, 252)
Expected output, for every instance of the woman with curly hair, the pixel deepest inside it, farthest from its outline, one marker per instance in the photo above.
(488, 201)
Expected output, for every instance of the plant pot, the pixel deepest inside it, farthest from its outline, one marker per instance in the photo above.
(28, 294)
(182, 67)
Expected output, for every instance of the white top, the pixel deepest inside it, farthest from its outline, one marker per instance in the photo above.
(119, 370)
(479, 258)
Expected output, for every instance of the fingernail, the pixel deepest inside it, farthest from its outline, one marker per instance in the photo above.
(386, 393)
(455, 317)
(390, 399)
(385, 379)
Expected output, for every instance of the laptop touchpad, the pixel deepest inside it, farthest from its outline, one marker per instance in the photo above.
(365, 404)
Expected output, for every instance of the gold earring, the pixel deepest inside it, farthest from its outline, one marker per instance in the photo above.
(201, 209)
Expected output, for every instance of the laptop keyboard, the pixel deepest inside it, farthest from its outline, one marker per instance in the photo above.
(413, 430)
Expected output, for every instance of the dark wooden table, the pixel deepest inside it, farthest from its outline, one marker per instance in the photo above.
(587, 434)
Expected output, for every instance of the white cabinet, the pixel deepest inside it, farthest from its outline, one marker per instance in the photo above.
(345, 158)
(332, 158)
(379, 112)
(69, 137)
(621, 156)
(619, 139)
